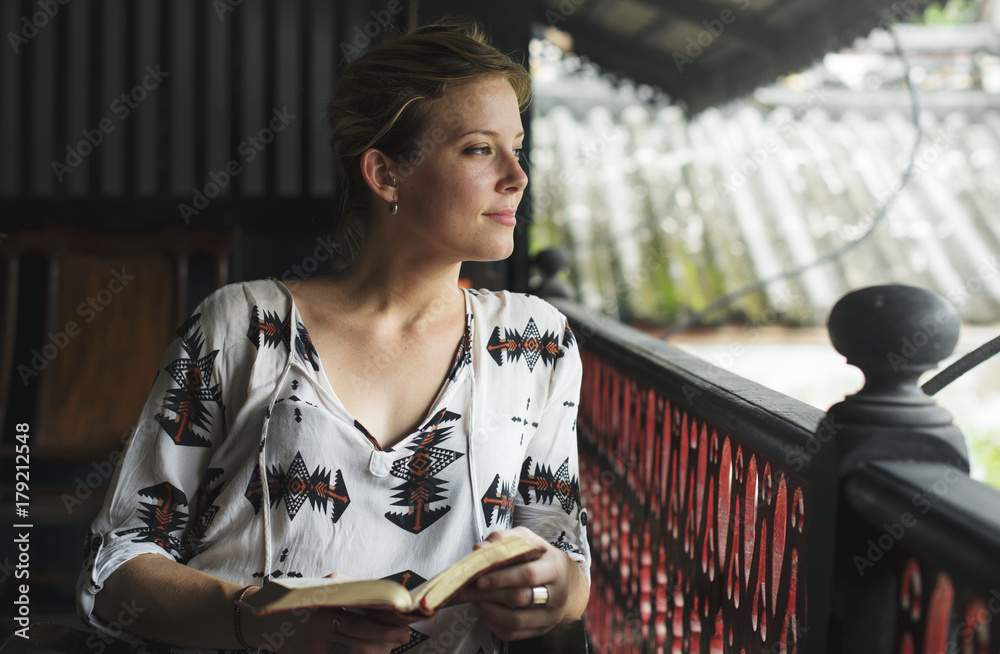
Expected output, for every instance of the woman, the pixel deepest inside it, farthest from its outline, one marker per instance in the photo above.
(418, 419)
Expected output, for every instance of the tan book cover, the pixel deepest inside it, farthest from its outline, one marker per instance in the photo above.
(383, 594)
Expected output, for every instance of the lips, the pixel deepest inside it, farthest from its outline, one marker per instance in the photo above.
(503, 217)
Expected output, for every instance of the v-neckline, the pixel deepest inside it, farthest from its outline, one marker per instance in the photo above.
(455, 371)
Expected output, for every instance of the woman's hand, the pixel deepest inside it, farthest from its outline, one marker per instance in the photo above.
(326, 631)
(504, 596)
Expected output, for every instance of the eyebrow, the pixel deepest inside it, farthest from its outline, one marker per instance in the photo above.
(488, 132)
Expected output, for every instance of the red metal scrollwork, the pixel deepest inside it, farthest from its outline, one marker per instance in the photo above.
(698, 539)
(950, 620)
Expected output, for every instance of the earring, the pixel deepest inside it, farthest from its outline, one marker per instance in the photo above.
(394, 205)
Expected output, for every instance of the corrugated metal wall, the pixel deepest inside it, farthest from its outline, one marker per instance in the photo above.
(153, 99)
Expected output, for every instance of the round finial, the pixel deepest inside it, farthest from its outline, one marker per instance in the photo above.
(901, 329)
(551, 261)
(893, 334)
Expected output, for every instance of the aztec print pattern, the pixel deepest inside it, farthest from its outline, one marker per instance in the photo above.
(296, 412)
(296, 486)
(90, 546)
(371, 439)
(187, 325)
(267, 324)
(306, 349)
(549, 487)
(415, 639)
(530, 344)
(161, 518)
(277, 574)
(565, 545)
(568, 338)
(189, 401)
(408, 579)
(194, 540)
(498, 502)
(420, 487)
(463, 356)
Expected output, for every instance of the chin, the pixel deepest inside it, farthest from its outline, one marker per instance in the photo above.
(498, 252)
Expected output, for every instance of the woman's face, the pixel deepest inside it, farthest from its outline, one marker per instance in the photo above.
(459, 189)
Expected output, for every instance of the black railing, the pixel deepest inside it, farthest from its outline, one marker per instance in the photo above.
(709, 507)
(726, 517)
(932, 546)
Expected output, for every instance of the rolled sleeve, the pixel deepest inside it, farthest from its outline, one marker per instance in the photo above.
(554, 509)
(152, 500)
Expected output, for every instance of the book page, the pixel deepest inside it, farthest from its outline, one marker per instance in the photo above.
(433, 593)
(290, 594)
(383, 594)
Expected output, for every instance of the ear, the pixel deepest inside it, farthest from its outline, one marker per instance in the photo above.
(380, 174)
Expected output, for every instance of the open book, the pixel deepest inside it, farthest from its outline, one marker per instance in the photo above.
(383, 594)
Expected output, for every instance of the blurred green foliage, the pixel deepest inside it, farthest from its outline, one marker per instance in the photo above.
(984, 452)
(950, 13)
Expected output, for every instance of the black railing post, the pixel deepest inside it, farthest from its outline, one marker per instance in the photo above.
(549, 263)
(893, 334)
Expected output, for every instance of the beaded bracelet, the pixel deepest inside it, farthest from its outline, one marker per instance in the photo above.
(237, 625)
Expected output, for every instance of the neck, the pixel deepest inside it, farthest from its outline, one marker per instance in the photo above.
(395, 283)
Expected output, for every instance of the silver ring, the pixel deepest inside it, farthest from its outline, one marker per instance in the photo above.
(539, 595)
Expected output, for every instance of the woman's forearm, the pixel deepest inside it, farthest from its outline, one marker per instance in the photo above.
(169, 602)
(579, 593)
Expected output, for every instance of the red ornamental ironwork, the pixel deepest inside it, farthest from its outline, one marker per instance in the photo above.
(936, 617)
(698, 539)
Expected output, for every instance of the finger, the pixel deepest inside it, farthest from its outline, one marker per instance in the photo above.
(515, 598)
(514, 624)
(348, 645)
(495, 536)
(526, 575)
(364, 628)
(523, 532)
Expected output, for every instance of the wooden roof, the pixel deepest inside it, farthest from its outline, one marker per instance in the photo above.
(664, 214)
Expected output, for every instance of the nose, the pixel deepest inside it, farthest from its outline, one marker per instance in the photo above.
(515, 179)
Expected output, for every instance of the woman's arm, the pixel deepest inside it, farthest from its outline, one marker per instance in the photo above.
(553, 517)
(162, 600)
(156, 595)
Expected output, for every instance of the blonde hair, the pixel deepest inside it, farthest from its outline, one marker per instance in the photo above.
(384, 101)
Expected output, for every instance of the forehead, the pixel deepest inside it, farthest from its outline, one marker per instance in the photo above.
(483, 104)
